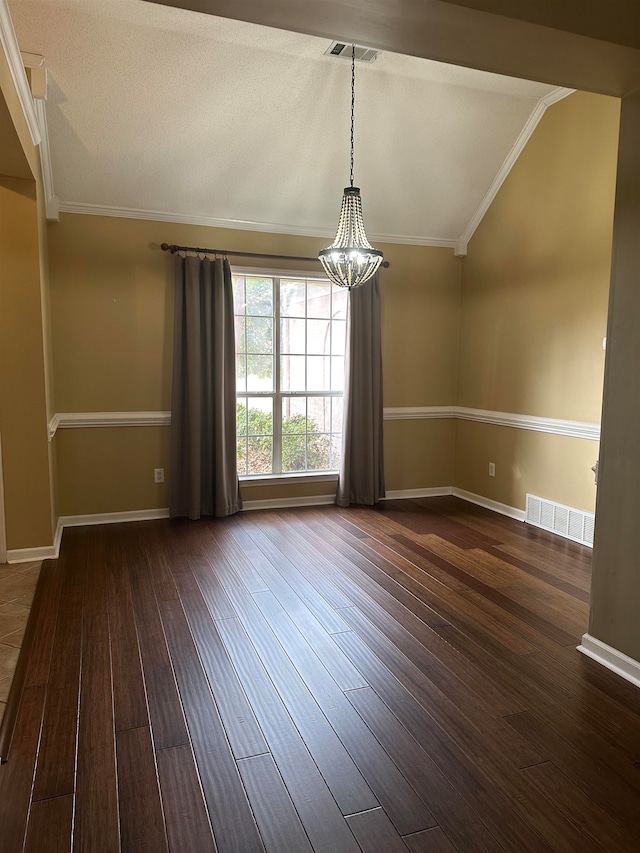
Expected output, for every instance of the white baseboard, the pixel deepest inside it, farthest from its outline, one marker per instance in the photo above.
(112, 517)
(503, 509)
(611, 658)
(284, 503)
(29, 555)
(435, 492)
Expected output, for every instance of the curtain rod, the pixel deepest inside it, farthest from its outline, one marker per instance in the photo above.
(166, 247)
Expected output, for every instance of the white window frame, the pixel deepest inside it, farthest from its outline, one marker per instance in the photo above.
(330, 475)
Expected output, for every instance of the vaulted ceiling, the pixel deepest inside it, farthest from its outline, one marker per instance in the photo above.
(171, 113)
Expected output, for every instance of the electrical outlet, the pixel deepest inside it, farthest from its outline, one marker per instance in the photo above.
(492, 469)
(158, 475)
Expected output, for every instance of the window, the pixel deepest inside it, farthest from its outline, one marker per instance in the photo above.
(290, 337)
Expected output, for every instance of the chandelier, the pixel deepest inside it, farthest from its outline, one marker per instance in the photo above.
(351, 259)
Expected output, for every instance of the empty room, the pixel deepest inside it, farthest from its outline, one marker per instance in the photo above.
(318, 426)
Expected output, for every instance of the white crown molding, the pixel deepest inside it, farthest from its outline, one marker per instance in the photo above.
(510, 161)
(51, 202)
(409, 413)
(611, 658)
(487, 503)
(82, 420)
(240, 224)
(9, 43)
(555, 426)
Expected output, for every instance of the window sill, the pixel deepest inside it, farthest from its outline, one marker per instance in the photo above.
(281, 479)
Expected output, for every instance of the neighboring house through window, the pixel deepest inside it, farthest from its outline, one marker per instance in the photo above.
(290, 338)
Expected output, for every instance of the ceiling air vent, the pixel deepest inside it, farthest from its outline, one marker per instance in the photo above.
(343, 49)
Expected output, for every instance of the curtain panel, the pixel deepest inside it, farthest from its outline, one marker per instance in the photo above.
(361, 479)
(204, 477)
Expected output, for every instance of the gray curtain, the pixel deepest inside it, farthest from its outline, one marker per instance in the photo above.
(361, 478)
(204, 477)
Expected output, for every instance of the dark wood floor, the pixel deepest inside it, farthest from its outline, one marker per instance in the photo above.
(328, 680)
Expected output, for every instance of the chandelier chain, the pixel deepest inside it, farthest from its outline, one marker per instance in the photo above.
(353, 101)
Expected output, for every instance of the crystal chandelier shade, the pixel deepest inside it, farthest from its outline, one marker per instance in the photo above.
(351, 259)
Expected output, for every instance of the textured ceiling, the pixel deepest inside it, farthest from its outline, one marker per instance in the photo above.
(154, 108)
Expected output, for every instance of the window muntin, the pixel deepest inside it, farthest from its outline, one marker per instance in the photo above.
(290, 337)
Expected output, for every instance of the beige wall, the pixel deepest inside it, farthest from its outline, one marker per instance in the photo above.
(111, 302)
(23, 416)
(616, 577)
(534, 307)
(24, 359)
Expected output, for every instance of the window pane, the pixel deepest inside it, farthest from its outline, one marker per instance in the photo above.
(318, 451)
(238, 294)
(336, 451)
(260, 415)
(338, 337)
(259, 296)
(318, 373)
(337, 373)
(319, 414)
(294, 415)
(259, 334)
(338, 302)
(260, 455)
(241, 372)
(259, 372)
(241, 456)
(241, 417)
(239, 323)
(292, 298)
(318, 338)
(292, 336)
(336, 414)
(318, 299)
(294, 452)
(292, 373)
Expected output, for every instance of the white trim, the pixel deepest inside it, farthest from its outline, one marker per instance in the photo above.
(28, 555)
(487, 503)
(284, 503)
(408, 413)
(9, 43)
(306, 478)
(51, 202)
(555, 426)
(611, 658)
(80, 420)
(241, 224)
(53, 425)
(518, 146)
(112, 517)
(574, 429)
(57, 537)
(434, 492)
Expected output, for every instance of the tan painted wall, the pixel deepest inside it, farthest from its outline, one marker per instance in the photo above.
(616, 580)
(534, 307)
(111, 294)
(23, 416)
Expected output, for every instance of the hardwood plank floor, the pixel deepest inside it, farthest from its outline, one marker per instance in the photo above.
(327, 680)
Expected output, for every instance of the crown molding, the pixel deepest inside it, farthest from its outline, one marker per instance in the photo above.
(9, 43)
(240, 224)
(555, 426)
(525, 135)
(51, 202)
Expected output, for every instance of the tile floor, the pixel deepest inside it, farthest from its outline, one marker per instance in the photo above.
(17, 585)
